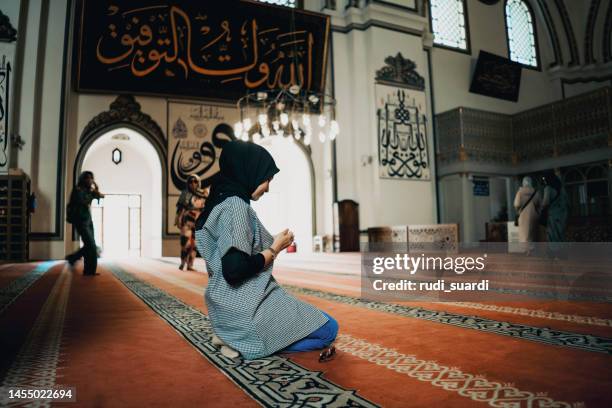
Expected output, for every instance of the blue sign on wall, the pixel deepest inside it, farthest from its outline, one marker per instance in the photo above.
(481, 187)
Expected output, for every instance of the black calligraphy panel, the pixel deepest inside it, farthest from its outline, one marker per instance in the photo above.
(210, 49)
(497, 77)
(402, 134)
(5, 72)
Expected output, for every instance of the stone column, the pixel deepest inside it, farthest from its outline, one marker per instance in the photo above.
(510, 192)
(467, 197)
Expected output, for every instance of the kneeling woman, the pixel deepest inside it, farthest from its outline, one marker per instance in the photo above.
(250, 313)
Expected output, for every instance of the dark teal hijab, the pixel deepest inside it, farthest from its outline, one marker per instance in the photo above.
(243, 166)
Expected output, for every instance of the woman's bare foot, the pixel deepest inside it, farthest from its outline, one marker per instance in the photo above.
(216, 341)
(229, 352)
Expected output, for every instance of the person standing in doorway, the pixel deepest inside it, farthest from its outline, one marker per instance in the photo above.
(188, 208)
(79, 214)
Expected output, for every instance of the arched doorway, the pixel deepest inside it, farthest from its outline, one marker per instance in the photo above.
(290, 201)
(128, 170)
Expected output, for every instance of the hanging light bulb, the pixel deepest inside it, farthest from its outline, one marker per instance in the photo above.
(334, 127)
(334, 130)
(322, 120)
(287, 112)
(246, 124)
(262, 118)
(284, 119)
(265, 131)
(238, 129)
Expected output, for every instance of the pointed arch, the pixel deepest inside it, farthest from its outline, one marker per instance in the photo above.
(552, 33)
(590, 32)
(607, 40)
(125, 112)
(569, 33)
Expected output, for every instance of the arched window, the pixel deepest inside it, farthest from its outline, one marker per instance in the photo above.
(520, 29)
(449, 23)
(286, 3)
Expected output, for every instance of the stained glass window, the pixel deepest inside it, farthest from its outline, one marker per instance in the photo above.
(521, 33)
(286, 3)
(449, 24)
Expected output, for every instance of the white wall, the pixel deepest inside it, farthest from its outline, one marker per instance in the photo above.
(358, 54)
(452, 70)
(288, 204)
(451, 200)
(36, 107)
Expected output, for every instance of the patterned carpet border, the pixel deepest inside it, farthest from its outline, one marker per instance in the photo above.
(553, 295)
(539, 313)
(36, 364)
(13, 290)
(545, 335)
(475, 387)
(272, 381)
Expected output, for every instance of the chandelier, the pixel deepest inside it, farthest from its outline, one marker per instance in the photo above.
(289, 112)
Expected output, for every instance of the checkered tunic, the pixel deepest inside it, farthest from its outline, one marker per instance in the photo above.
(257, 317)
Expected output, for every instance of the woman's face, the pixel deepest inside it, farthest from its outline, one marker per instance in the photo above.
(88, 181)
(261, 190)
(193, 184)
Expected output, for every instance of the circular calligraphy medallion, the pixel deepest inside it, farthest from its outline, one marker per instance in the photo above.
(200, 130)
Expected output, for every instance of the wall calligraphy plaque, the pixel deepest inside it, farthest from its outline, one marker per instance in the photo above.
(196, 136)
(217, 50)
(5, 85)
(497, 77)
(402, 133)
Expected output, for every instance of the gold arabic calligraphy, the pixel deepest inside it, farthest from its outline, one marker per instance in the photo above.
(162, 37)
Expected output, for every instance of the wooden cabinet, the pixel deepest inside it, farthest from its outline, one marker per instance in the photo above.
(14, 216)
(346, 226)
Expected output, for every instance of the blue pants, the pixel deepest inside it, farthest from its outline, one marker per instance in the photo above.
(318, 339)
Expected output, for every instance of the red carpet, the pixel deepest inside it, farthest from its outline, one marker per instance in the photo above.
(117, 351)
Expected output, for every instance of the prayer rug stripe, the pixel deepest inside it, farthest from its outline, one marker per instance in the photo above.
(272, 381)
(519, 311)
(542, 314)
(37, 360)
(480, 389)
(475, 387)
(13, 290)
(545, 335)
